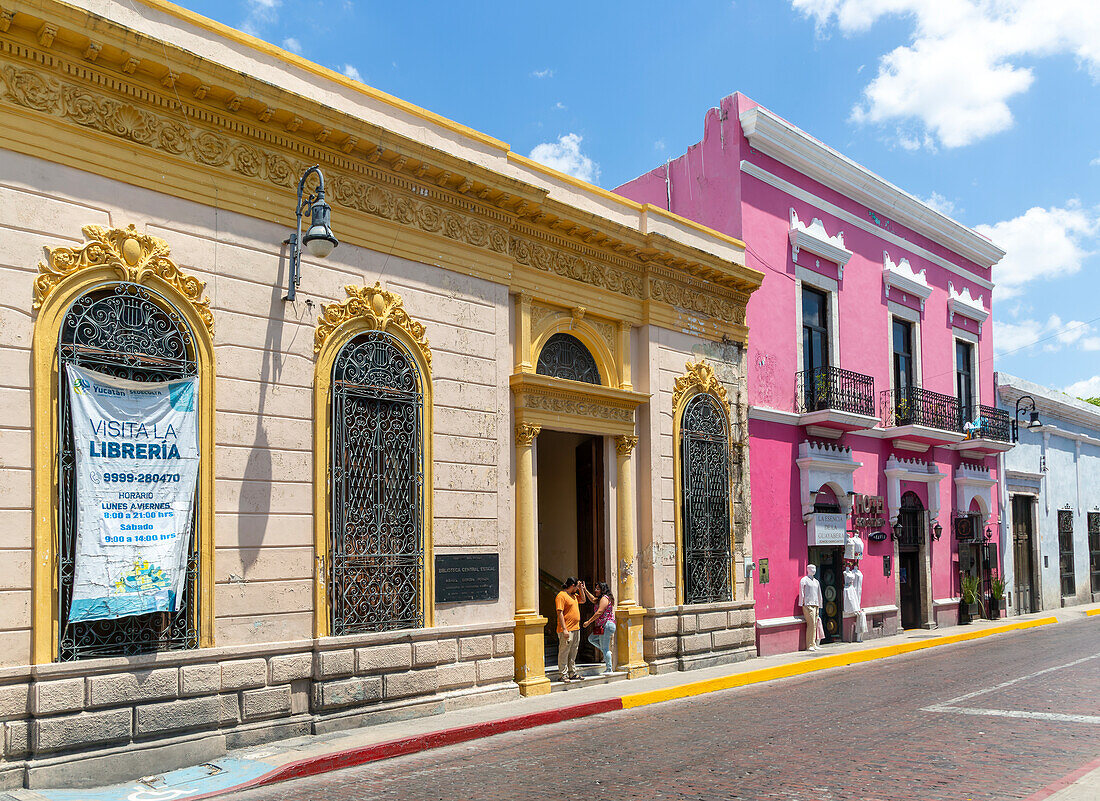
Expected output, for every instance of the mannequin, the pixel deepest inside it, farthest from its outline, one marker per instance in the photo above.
(853, 547)
(809, 598)
(853, 598)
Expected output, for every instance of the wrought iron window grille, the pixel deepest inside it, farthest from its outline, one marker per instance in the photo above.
(705, 475)
(127, 331)
(376, 537)
(833, 388)
(565, 356)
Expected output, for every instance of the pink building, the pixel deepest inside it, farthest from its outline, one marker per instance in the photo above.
(870, 375)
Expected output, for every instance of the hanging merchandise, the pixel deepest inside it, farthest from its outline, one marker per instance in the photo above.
(137, 465)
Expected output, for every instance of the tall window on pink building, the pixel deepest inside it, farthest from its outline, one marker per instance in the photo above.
(903, 371)
(964, 381)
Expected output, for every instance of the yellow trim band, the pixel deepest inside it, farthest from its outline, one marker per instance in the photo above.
(820, 663)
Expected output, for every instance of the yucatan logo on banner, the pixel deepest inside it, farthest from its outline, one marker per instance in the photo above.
(137, 466)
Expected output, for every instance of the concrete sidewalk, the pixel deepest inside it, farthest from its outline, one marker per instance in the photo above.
(309, 756)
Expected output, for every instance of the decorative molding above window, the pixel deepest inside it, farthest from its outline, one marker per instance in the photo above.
(904, 278)
(972, 482)
(963, 303)
(814, 238)
(899, 470)
(822, 464)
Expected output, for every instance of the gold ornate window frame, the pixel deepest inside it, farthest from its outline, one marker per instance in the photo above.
(110, 256)
(366, 309)
(699, 378)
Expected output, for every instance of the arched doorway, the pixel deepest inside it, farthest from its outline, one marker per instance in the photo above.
(127, 331)
(376, 481)
(914, 523)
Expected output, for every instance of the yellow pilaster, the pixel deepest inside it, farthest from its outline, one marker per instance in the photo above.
(529, 646)
(628, 614)
(523, 341)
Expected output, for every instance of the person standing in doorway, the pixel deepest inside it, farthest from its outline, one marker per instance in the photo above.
(569, 629)
(602, 622)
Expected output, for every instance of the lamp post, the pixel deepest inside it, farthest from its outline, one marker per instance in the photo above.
(319, 239)
(1033, 417)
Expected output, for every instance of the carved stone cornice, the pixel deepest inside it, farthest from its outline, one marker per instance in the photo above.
(574, 406)
(380, 309)
(562, 263)
(699, 377)
(133, 256)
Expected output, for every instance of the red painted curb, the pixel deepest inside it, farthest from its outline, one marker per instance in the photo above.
(1064, 782)
(312, 766)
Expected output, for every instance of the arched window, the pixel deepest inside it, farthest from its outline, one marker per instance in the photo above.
(127, 331)
(376, 480)
(565, 356)
(705, 500)
(911, 517)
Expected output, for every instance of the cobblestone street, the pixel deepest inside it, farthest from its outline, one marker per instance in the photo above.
(994, 719)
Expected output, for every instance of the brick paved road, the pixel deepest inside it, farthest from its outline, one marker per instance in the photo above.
(859, 732)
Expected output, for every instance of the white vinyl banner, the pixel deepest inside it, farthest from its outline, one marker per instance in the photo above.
(137, 466)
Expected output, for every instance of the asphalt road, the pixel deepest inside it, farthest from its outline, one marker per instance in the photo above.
(998, 718)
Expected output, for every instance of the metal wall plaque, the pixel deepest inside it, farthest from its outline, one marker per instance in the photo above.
(868, 511)
(466, 577)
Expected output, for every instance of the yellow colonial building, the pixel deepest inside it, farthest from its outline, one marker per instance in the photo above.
(501, 377)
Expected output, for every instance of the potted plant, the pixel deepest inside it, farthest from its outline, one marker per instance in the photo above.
(997, 604)
(971, 606)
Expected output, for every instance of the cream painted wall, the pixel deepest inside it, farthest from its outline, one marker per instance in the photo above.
(264, 353)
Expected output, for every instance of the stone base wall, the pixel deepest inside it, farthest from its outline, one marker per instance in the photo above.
(106, 720)
(700, 635)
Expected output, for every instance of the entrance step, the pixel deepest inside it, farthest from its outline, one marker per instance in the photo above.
(593, 675)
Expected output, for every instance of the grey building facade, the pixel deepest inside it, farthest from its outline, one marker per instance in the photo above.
(1050, 499)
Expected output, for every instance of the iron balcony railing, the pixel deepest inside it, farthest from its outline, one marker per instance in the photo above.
(986, 422)
(840, 390)
(913, 406)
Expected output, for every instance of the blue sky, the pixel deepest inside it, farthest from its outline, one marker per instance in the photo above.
(989, 109)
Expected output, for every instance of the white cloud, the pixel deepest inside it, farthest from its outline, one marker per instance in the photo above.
(940, 203)
(261, 14)
(965, 61)
(1088, 388)
(565, 155)
(1040, 245)
(547, 73)
(1052, 335)
(559, 106)
(293, 45)
(659, 144)
(351, 71)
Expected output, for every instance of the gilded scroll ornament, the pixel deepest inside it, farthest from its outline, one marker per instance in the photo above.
(624, 444)
(526, 433)
(379, 308)
(700, 376)
(132, 255)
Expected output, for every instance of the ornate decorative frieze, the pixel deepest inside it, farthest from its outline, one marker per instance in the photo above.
(699, 376)
(568, 265)
(578, 406)
(682, 296)
(379, 308)
(132, 255)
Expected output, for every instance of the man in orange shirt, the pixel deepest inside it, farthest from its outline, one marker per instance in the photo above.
(569, 629)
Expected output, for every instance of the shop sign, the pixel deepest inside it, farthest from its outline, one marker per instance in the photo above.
(868, 511)
(137, 466)
(964, 529)
(827, 528)
(466, 577)
(878, 536)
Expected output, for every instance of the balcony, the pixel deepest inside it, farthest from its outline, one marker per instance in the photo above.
(919, 418)
(832, 401)
(987, 430)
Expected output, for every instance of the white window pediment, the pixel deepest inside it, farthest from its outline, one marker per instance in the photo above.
(974, 482)
(816, 240)
(904, 278)
(825, 464)
(899, 470)
(964, 304)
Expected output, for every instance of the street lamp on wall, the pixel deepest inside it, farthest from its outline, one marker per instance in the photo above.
(897, 531)
(1033, 416)
(319, 239)
(937, 531)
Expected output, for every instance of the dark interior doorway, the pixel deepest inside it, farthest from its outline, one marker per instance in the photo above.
(572, 526)
(913, 526)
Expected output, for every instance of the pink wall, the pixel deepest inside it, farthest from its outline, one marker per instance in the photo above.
(708, 185)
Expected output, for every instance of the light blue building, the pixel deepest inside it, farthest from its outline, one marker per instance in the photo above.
(1050, 498)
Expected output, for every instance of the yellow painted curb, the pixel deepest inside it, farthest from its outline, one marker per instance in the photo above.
(821, 663)
(1092, 612)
